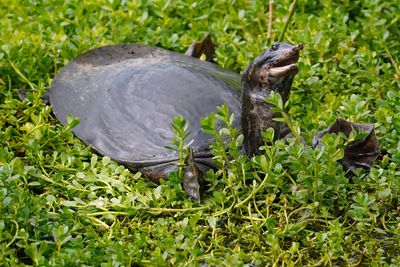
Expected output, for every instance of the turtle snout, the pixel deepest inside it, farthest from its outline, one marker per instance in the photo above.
(291, 54)
(298, 47)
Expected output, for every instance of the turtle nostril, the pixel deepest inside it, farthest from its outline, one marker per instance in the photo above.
(298, 47)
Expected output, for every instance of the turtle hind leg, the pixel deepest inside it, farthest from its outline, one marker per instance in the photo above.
(206, 47)
(359, 153)
(160, 171)
(22, 93)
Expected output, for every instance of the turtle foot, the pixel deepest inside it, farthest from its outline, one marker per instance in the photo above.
(192, 178)
(357, 154)
(206, 47)
(22, 96)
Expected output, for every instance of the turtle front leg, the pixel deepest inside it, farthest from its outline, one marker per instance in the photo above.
(193, 182)
(192, 177)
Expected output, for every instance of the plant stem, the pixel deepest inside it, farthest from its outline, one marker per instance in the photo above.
(270, 14)
(181, 154)
(291, 10)
(21, 75)
(15, 235)
(315, 180)
(253, 192)
(291, 127)
(176, 210)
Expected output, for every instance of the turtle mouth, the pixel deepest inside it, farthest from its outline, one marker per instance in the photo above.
(286, 64)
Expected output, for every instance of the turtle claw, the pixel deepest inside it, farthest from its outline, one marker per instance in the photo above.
(358, 154)
(192, 188)
(206, 47)
(192, 180)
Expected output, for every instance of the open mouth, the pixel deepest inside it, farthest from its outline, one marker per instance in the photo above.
(285, 64)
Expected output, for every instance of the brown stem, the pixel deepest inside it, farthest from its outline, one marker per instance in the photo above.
(271, 9)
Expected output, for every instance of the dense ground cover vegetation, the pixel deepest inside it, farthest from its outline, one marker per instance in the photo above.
(62, 204)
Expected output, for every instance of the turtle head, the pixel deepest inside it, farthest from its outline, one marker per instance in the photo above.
(274, 69)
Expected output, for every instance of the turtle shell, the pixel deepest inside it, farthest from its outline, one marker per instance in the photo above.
(127, 95)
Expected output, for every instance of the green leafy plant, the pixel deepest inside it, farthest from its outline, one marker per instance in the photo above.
(179, 126)
(63, 204)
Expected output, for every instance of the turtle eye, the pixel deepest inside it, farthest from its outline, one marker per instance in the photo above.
(274, 47)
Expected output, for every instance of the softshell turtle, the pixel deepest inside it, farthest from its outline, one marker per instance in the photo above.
(126, 96)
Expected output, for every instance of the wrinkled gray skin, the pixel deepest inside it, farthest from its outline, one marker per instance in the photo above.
(272, 71)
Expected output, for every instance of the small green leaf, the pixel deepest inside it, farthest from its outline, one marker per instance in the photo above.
(264, 163)
(212, 221)
(106, 160)
(93, 160)
(72, 121)
(80, 175)
(6, 201)
(239, 140)
(69, 203)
